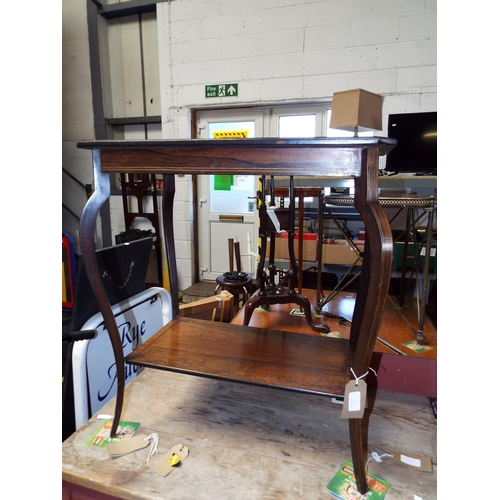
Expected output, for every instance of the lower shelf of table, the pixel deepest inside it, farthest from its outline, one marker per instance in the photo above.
(285, 360)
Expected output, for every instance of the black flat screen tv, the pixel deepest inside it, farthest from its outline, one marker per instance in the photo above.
(416, 151)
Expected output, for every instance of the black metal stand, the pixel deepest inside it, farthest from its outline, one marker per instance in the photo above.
(409, 202)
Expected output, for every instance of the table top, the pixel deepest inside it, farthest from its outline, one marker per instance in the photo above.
(238, 143)
(276, 156)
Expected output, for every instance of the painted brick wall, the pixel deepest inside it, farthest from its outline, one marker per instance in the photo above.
(282, 50)
(291, 51)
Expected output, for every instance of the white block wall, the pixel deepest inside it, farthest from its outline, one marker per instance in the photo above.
(289, 51)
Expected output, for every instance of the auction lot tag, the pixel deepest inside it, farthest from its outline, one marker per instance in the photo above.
(354, 400)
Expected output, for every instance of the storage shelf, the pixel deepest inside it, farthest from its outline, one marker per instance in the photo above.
(259, 356)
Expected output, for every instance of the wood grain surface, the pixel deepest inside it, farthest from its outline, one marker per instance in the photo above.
(394, 327)
(249, 443)
(246, 354)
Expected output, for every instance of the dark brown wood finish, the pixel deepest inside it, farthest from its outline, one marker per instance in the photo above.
(309, 157)
(87, 227)
(168, 233)
(373, 289)
(356, 157)
(259, 356)
(409, 372)
(394, 329)
(271, 292)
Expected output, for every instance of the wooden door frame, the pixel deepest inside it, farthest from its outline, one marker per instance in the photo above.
(195, 186)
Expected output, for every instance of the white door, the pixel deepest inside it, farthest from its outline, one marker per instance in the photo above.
(226, 203)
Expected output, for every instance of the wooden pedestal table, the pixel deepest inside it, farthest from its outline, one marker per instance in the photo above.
(272, 358)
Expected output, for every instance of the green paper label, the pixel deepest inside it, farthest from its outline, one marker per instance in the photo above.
(343, 485)
(101, 436)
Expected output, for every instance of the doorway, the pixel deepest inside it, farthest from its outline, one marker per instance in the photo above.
(226, 204)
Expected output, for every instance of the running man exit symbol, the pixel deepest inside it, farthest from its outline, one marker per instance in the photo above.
(222, 90)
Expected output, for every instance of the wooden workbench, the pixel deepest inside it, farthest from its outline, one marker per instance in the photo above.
(246, 443)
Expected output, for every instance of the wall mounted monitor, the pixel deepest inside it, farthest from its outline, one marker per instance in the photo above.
(416, 152)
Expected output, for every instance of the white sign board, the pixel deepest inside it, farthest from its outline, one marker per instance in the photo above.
(137, 319)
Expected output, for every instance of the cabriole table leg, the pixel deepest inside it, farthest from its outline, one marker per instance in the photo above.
(87, 245)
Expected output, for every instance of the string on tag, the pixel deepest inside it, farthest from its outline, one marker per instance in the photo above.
(362, 376)
(378, 458)
(154, 446)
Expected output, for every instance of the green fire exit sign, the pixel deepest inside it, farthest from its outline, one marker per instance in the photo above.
(222, 90)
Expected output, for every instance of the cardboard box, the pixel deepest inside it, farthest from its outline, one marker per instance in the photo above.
(338, 253)
(357, 107)
(341, 253)
(281, 248)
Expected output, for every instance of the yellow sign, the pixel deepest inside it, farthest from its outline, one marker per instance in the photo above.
(231, 134)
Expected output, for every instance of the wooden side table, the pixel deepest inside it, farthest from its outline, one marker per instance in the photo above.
(304, 363)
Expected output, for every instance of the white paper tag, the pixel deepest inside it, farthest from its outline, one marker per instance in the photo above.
(414, 462)
(274, 219)
(354, 399)
(432, 252)
(421, 463)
